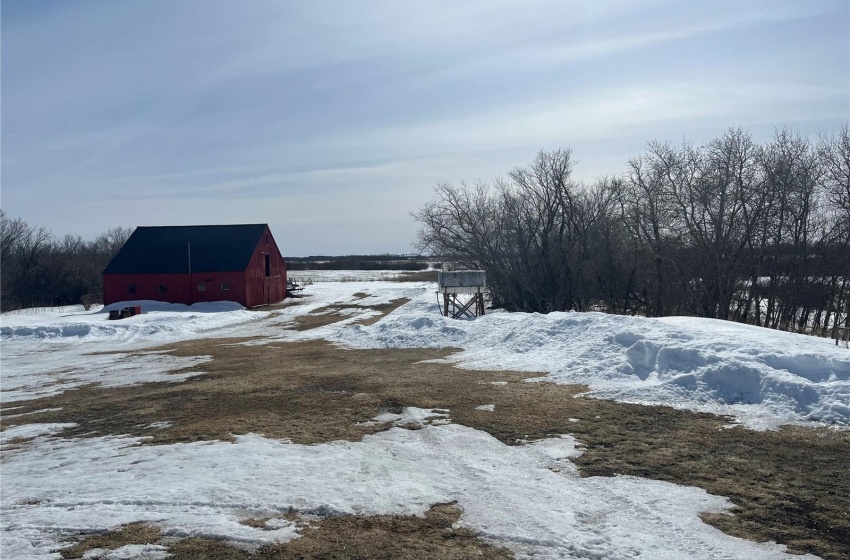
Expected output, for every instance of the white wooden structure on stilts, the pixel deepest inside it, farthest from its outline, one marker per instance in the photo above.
(468, 283)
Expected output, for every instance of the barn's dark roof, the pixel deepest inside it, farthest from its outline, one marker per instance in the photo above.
(151, 250)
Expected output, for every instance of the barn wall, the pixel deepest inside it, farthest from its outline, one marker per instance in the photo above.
(260, 289)
(115, 287)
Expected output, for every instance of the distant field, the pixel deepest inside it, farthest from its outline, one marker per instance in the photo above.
(364, 262)
(362, 275)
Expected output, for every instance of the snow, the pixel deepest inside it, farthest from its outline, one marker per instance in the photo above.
(50, 350)
(24, 431)
(527, 497)
(413, 415)
(762, 377)
(518, 496)
(129, 552)
(158, 320)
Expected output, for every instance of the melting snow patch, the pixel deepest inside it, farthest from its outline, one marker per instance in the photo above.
(277, 523)
(129, 552)
(527, 498)
(413, 416)
(32, 430)
(555, 453)
(56, 371)
(486, 407)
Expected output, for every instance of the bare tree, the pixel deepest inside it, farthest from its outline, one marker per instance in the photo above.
(835, 157)
(730, 229)
(38, 269)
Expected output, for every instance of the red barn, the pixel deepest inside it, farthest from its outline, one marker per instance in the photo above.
(190, 264)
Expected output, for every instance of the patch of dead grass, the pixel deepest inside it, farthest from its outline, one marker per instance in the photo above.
(389, 537)
(134, 533)
(255, 522)
(351, 537)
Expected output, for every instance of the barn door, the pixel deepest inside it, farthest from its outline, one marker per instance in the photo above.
(182, 294)
(266, 280)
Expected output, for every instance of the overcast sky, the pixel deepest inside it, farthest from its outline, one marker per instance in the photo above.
(332, 121)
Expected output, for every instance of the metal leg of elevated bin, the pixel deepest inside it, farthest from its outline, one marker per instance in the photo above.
(455, 308)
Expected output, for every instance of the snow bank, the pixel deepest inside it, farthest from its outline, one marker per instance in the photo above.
(761, 376)
(50, 350)
(158, 319)
(520, 496)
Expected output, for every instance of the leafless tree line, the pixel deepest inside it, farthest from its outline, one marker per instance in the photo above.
(39, 269)
(733, 229)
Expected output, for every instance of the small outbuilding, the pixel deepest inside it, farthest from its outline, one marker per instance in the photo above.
(191, 264)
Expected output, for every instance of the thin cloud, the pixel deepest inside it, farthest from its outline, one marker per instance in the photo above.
(246, 110)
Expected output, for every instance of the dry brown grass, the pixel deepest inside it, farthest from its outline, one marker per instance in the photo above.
(347, 536)
(134, 533)
(389, 537)
(790, 486)
(282, 392)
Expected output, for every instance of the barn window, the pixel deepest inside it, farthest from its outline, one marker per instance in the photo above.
(131, 288)
(163, 288)
(202, 287)
(267, 239)
(225, 286)
(268, 266)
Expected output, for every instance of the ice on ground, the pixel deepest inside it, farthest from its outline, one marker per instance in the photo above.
(25, 431)
(761, 376)
(413, 416)
(517, 496)
(129, 552)
(486, 407)
(36, 371)
(558, 452)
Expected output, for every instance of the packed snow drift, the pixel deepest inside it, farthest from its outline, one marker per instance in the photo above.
(762, 377)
